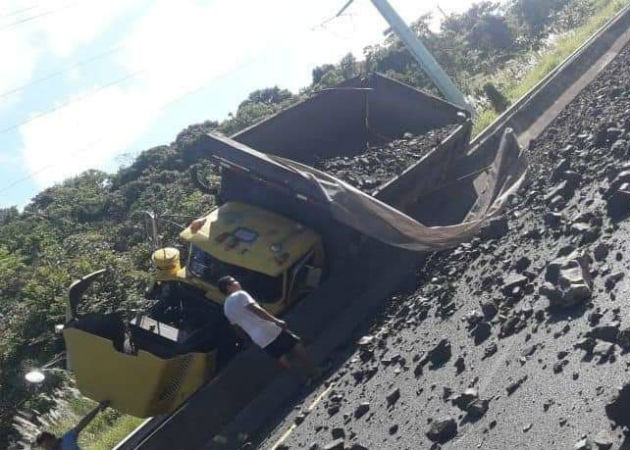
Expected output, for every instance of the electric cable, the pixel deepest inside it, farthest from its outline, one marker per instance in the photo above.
(61, 72)
(21, 10)
(37, 16)
(74, 100)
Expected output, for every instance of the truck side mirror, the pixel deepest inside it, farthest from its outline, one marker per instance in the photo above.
(76, 291)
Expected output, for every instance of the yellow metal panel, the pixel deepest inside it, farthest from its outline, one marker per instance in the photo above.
(279, 244)
(142, 385)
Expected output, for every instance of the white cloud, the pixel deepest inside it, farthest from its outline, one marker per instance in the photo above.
(185, 44)
(176, 47)
(72, 24)
(19, 58)
(84, 136)
(54, 28)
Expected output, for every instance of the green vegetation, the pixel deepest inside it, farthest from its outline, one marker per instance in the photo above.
(564, 47)
(552, 58)
(94, 220)
(105, 431)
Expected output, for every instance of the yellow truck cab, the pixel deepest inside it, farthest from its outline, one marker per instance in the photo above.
(152, 363)
(274, 258)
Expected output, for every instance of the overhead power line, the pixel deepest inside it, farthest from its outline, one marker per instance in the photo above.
(330, 19)
(70, 102)
(168, 103)
(37, 16)
(21, 10)
(83, 148)
(61, 72)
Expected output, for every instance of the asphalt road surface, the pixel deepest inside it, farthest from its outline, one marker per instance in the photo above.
(517, 340)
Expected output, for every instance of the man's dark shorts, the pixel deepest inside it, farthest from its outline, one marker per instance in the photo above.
(282, 345)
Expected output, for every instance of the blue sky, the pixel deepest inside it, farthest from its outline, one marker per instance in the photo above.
(91, 83)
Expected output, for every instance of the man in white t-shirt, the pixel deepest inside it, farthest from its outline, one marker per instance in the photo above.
(266, 331)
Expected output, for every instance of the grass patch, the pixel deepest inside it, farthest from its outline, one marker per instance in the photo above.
(483, 120)
(106, 437)
(551, 59)
(106, 430)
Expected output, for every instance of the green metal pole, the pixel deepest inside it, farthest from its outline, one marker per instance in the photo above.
(426, 60)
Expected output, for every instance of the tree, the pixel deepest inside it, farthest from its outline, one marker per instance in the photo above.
(348, 66)
(533, 13)
(468, 19)
(491, 33)
(319, 72)
(273, 95)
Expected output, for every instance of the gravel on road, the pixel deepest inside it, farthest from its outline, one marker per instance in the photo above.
(519, 341)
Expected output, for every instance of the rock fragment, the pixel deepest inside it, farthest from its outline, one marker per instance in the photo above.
(512, 387)
(442, 430)
(613, 279)
(393, 396)
(489, 310)
(490, 350)
(553, 219)
(495, 228)
(603, 440)
(607, 332)
(460, 365)
(477, 408)
(338, 433)
(337, 444)
(618, 203)
(600, 252)
(361, 410)
(583, 444)
(514, 281)
(587, 344)
(463, 400)
(569, 279)
(481, 332)
(604, 350)
(618, 406)
(440, 354)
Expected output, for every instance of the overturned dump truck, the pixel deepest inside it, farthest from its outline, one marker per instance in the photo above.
(285, 229)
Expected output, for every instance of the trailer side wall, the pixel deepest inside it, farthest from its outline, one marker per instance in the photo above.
(342, 121)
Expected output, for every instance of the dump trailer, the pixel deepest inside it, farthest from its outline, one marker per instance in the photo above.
(275, 234)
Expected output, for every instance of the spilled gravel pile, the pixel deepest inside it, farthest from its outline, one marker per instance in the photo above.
(378, 165)
(517, 342)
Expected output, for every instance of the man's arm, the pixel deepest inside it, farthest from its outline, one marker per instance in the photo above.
(256, 309)
(90, 416)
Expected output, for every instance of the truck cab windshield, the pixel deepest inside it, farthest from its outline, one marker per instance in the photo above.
(264, 288)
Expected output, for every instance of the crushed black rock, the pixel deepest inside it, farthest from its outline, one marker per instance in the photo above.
(442, 429)
(376, 166)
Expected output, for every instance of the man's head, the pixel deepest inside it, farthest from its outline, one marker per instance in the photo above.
(228, 285)
(46, 440)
